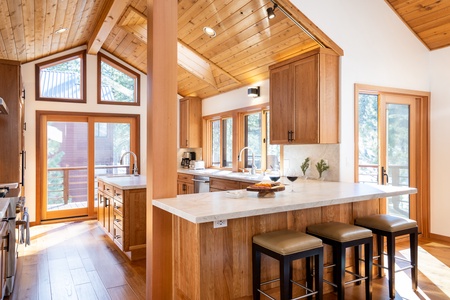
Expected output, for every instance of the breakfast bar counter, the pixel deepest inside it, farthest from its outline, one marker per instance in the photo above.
(215, 263)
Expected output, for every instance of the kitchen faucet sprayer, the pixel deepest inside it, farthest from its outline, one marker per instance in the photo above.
(253, 171)
(135, 169)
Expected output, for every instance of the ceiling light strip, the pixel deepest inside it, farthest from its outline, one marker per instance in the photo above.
(298, 24)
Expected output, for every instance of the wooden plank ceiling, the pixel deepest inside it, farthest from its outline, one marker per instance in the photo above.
(247, 42)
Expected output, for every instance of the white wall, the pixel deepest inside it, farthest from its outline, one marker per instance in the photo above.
(440, 141)
(31, 106)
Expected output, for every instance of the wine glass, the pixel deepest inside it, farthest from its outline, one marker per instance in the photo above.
(274, 176)
(292, 176)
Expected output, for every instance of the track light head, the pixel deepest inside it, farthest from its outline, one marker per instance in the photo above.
(271, 11)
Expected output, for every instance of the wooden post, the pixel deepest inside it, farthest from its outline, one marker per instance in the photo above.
(162, 106)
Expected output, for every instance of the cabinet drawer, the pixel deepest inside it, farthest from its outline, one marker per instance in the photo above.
(185, 177)
(108, 189)
(118, 193)
(223, 184)
(118, 206)
(118, 237)
(118, 220)
(101, 186)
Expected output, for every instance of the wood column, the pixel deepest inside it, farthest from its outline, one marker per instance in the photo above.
(161, 142)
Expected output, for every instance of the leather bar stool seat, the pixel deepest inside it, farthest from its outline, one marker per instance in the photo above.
(287, 246)
(390, 227)
(341, 236)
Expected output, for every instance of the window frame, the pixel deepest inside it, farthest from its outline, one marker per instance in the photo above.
(122, 68)
(49, 63)
(238, 117)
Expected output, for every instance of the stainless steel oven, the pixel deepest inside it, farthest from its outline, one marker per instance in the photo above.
(201, 184)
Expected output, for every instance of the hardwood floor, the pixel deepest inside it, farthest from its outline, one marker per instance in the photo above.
(77, 261)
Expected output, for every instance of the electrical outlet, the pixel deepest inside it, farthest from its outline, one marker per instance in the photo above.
(220, 223)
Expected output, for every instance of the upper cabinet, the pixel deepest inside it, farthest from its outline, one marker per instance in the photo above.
(12, 125)
(190, 122)
(304, 99)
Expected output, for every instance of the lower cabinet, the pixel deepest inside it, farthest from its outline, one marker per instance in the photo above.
(4, 234)
(218, 184)
(122, 216)
(185, 185)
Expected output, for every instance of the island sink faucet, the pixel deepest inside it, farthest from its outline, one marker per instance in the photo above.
(253, 171)
(135, 169)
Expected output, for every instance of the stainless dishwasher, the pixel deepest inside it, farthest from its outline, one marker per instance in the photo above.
(201, 184)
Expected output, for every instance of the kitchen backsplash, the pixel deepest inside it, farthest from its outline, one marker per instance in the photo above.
(294, 156)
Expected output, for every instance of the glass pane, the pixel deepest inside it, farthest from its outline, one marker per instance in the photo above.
(273, 151)
(215, 147)
(397, 141)
(253, 139)
(227, 143)
(111, 141)
(116, 86)
(62, 81)
(67, 160)
(368, 138)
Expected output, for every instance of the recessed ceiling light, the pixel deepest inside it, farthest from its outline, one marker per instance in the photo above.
(209, 31)
(61, 30)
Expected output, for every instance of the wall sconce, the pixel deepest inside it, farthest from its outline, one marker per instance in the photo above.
(253, 92)
(271, 11)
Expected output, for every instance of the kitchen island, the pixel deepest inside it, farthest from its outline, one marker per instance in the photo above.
(215, 263)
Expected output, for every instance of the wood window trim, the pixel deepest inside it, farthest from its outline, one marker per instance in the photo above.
(41, 117)
(56, 61)
(104, 58)
(422, 148)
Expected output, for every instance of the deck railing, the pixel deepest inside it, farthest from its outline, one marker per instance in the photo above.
(70, 184)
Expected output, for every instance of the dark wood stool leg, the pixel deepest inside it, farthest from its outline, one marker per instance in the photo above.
(284, 279)
(391, 264)
(380, 249)
(368, 269)
(413, 245)
(309, 277)
(319, 274)
(340, 271)
(256, 273)
(357, 262)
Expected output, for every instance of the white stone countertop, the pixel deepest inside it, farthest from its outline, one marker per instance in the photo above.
(4, 202)
(208, 207)
(125, 182)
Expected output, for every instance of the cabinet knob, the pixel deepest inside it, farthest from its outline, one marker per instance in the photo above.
(117, 220)
(117, 236)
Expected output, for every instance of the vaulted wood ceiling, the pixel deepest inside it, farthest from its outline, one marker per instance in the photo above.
(247, 42)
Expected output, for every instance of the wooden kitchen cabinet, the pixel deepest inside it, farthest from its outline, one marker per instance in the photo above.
(12, 125)
(304, 99)
(4, 234)
(185, 185)
(218, 184)
(122, 216)
(190, 122)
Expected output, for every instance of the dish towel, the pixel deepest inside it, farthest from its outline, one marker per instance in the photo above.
(24, 227)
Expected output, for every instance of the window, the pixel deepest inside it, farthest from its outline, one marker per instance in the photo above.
(250, 129)
(221, 142)
(62, 79)
(117, 84)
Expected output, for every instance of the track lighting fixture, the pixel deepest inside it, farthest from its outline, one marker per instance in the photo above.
(271, 11)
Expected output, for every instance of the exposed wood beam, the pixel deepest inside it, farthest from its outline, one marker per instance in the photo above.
(111, 12)
(136, 23)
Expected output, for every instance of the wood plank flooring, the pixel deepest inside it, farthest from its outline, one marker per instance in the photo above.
(77, 261)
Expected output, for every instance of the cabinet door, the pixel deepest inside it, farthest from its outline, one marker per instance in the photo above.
(101, 209)
(306, 99)
(184, 123)
(190, 122)
(184, 188)
(281, 105)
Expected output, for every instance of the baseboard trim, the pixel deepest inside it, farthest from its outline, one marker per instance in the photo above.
(440, 237)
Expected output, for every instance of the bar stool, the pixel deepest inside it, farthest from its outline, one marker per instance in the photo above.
(287, 246)
(341, 236)
(391, 227)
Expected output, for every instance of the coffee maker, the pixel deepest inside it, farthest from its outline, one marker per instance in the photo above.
(186, 159)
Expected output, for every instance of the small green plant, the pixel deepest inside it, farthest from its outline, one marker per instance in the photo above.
(305, 166)
(321, 167)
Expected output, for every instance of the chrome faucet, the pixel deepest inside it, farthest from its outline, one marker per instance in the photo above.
(253, 171)
(135, 169)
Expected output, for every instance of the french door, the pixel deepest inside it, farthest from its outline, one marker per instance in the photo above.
(74, 150)
(391, 147)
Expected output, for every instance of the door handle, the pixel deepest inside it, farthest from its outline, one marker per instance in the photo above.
(384, 174)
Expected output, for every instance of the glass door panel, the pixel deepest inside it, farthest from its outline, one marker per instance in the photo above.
(67, 169)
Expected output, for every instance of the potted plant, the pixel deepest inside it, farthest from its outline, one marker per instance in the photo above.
(305, 166)
(321, 167)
